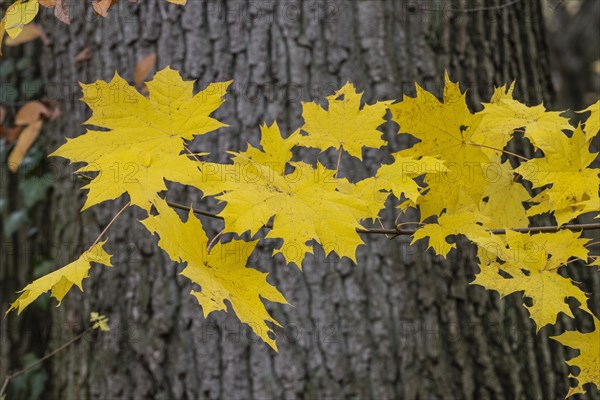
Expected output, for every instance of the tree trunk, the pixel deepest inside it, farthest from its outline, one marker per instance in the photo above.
(399, 325)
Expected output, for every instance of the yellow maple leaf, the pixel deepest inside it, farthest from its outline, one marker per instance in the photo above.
(99, 321)
(530, 264)
(276, 151)
(445, 130)
(307, 203)
(588, 360)
(63, 279)
(344, 124)
(146, 136)
(504, 198)
(19, 14)
(398, 177)
(565, 166)
(503, 115)
(464, 223)
(221, 273)
(494, 131)
(592, 124)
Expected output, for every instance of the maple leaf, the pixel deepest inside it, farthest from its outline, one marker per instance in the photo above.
(530, 264)
(398, 177)
(588, 360)
(464, 223)
(445, 130)
(344, 125)
(494, 131)
(146, 136)
(221, 272)
(592, 124)
(504, 198)
(276, 151)
(102, 6)
(503, 115)
(63, 279)
(307, 203)
(99, 321)
(574, 189)
(19, 14)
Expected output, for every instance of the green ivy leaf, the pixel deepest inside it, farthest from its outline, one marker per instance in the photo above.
(34, 189)
(14, 221)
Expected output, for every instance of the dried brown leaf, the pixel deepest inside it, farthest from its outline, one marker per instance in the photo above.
(26, 139)
(143, 68)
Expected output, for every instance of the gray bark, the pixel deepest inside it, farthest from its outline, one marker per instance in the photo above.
(399, 325)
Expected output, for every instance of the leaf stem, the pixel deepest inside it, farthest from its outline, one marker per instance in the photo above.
(191, 153)
(510, 153)
(339, 160)
(210, 245)
(109, 225)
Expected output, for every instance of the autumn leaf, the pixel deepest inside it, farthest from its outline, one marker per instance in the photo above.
(588, 360)
(464, 223)
(143, 68)
(530, 265)
(445, 129)
(344, 124)
(2, 32)
(276, 151)
(306, 204)
(503, 115)
(31, 112)
(398, 177)
(592, 124)
(145, 136)
(27, 137)
(221, 272)
(18, 15)
(99, 322)
(102, 6)
(566, 166)
(62, 280)
(503, 198)
(30, 32)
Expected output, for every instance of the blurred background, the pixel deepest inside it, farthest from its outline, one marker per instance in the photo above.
(400, 325)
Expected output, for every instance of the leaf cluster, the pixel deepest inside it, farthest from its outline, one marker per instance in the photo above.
(459, 176)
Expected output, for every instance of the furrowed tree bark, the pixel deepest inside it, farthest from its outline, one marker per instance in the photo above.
(401, 324)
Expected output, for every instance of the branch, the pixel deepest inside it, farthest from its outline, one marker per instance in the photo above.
(403, 232)
(534, 229)
(397, 231)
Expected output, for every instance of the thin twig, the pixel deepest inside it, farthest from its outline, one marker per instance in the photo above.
(9, 377)
(477, 9)
(195, 211)
(4, 385)
(534, 229)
